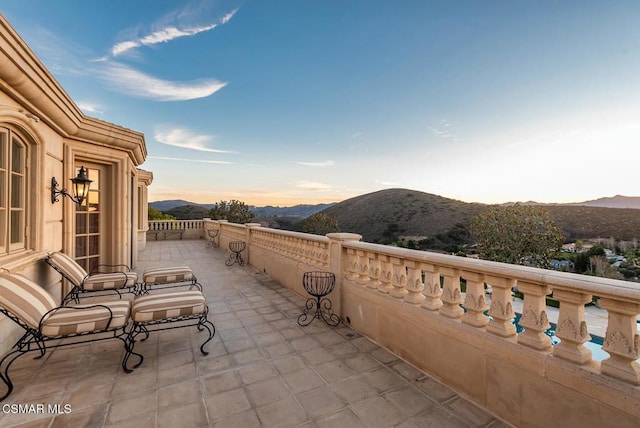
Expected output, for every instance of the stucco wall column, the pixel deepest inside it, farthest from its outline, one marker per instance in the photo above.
(338, 265)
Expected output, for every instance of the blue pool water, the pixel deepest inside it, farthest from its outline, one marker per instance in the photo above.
(595, 345)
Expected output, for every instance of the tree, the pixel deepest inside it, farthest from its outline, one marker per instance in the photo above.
(155, 214)
(320, 224)
(233, 211)
(517, 234)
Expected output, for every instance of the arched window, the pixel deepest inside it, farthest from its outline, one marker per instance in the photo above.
(13, 191)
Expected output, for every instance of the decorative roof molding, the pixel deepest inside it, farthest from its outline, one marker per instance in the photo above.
(145, 177)
(24, 78)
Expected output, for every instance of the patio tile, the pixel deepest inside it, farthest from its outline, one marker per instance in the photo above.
(131, 407)
(318, 356)
(438, 418)
(179, 393)
(286, 412)
(267, 391)
(147, 420)
(376, 412)
(435, 390)
(289, 364)
(410, 401)
(278, 350)
(302, 380)
(305, 344)
(343, 418)
(188, 415)
(333, 371)
(384, 380)
(214, 365)
(256, 372)
(262, 368)
(361, 363)
(320, 402)
(219, 383)
(93, 416)
(353, 389)
(227, 403)
(247, 356)
(470, 412)
(407, 371)
(247, 419)
(383, 355)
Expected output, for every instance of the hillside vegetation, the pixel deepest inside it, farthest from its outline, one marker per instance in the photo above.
(412, 213)
(404, 212)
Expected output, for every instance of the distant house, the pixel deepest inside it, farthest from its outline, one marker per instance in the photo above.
(562, 265)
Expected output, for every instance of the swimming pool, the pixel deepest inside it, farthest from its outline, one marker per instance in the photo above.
(594, 345)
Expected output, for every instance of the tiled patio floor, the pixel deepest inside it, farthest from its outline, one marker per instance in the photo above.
(262, 368)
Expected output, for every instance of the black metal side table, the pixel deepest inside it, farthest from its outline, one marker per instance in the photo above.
(236, 247)
(212, 234)
(318, 284)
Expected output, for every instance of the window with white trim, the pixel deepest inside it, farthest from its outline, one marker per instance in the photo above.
(13, 188)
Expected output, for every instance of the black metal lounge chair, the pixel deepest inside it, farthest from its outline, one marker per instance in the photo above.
(47, 325)
(119, 278)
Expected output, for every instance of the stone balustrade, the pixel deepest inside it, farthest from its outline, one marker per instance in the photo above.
(175, 229)
(434, 311)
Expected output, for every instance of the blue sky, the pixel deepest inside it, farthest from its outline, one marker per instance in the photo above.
(293, 101)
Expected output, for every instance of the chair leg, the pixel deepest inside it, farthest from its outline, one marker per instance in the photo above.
(129, 344)
(204, 322)
(4, 375)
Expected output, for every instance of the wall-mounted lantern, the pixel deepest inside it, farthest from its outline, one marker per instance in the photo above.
(81, 186)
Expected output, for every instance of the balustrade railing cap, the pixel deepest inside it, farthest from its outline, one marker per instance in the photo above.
(342, 236)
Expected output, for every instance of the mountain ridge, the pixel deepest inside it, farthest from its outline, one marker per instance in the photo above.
(616, 201)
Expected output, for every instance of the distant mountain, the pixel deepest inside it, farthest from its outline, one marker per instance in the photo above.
(174, 203)
(618, 201)
(402, 212)
(386, 214)
(189, 212)
(303, 211)
(380, 215)
(175, 207)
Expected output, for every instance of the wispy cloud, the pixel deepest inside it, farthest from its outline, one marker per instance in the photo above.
(166, 34)
(322, 164)
(312, 185)
(134, 82)
(186, 139)
(443, 130)
(190, 160)
(89, 107)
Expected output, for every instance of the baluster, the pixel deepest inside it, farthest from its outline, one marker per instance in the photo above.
(475, 302)
(451, 294)
(386, 272)
(414, 283)
(374, 271)
(432, 289)
(622, 340)
(534, 316)
(572, 327)
(363, 268)
(501, 308)
(352, 264)
(318, 254)
(398, 278)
